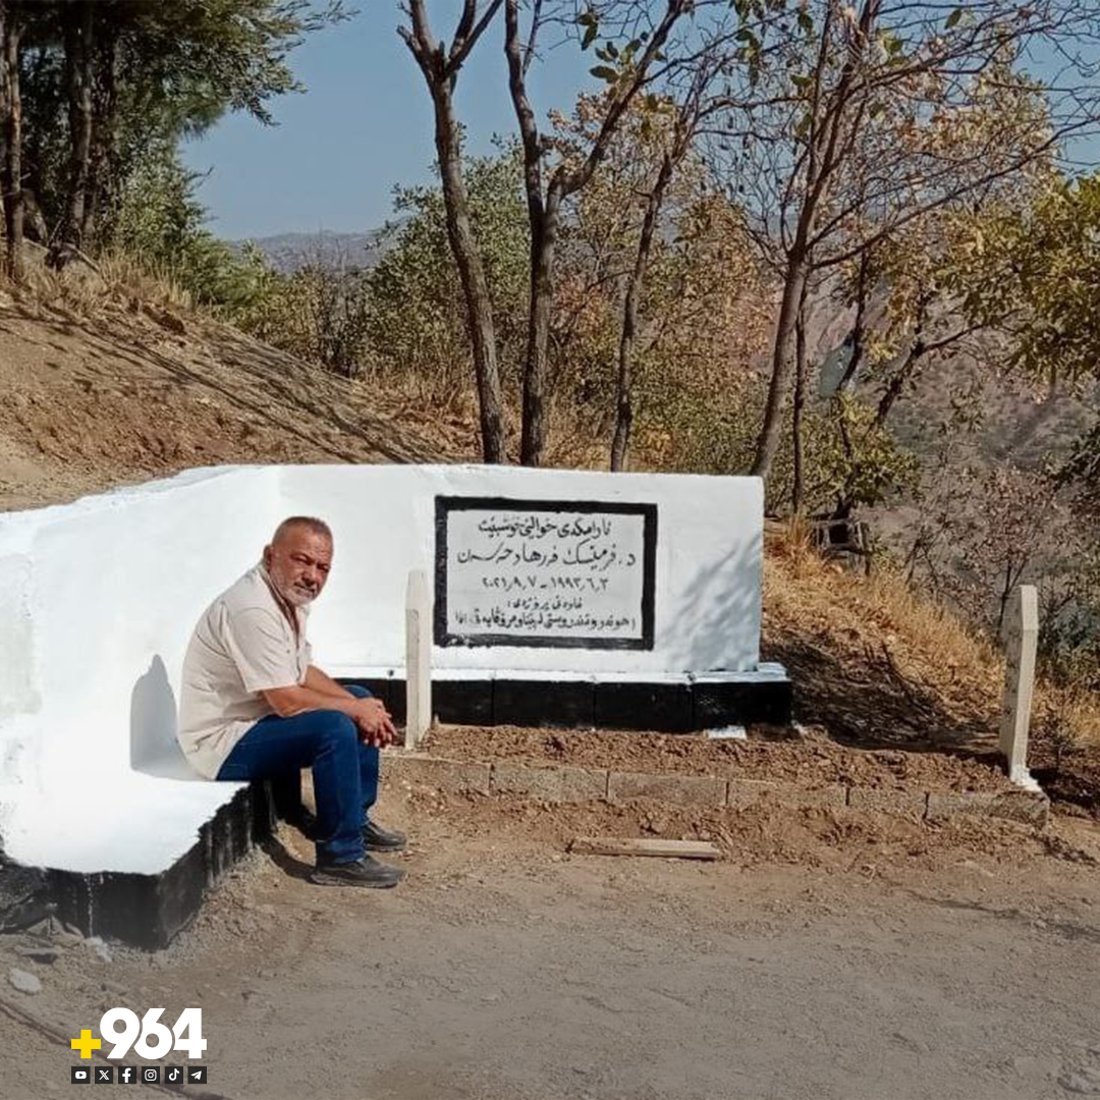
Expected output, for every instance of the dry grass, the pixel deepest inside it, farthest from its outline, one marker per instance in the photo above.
(82, 289)
(1066, 717)
(883, 600)
(875, 661)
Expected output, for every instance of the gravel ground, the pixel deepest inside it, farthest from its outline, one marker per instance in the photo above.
(906, 961)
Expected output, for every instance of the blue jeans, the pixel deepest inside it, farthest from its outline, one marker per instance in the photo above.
(345, 771)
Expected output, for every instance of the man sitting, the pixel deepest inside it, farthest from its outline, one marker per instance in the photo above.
(252, 705)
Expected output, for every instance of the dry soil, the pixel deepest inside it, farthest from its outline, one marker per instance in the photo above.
(825, 956)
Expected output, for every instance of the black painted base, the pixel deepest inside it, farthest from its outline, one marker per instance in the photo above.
(664, 706)
(24, 895)
(148, 910)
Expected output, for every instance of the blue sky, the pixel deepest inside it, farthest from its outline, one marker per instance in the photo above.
(364, 125)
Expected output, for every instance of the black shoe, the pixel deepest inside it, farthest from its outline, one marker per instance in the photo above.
(362, 872)
(377, 839)
(305, 823)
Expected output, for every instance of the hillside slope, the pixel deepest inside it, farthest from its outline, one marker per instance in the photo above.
(126, 392)
(131, 391)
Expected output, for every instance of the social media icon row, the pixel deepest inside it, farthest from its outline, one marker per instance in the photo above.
(131, 1075)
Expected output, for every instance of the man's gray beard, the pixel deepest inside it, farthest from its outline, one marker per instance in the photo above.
(299, 598)
(295, 597)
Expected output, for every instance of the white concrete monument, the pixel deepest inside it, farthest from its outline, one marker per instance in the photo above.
(559, 596)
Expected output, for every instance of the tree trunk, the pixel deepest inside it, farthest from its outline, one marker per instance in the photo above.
(897, 383)
(624, 408)
(3, 104)
(768, 441)
(1013, 572)
(36, 161)
(544, 239)
(544, 217)
(847, 383)
(799, 402)
(824, 155)
(102, 147)
(475, 285)
(859, 326)
(79, 64)
(440, 66)
(12, 183)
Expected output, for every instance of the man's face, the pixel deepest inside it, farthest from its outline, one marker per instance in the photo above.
(298, 565)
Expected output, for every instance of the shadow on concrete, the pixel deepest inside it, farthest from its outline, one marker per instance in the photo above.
(716, 601)
(288, 864)
(154, 749)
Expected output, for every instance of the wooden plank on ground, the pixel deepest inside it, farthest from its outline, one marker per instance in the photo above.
(636, 846)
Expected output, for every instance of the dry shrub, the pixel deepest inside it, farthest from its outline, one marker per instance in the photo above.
(1065, 720)
(83, 288)
(791, 541)
(897, 606)
(125, 279)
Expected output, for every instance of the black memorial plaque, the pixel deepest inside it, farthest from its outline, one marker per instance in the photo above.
(554, 573)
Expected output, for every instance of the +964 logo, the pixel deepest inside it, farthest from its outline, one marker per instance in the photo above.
(122, 1032)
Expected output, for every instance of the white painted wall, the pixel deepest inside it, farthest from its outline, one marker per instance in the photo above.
(709, 551)
(98, 599)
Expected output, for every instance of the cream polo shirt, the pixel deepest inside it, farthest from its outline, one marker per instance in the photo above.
(243, 645)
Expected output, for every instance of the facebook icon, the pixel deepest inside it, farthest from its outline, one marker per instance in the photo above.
(127, 1075)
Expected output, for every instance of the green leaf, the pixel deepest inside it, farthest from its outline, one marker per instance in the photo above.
(605, 73)
(805, 21)
(891, 44)
(953, 18)
(590, 31)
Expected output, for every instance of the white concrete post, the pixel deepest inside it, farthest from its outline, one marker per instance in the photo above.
(1021, 636)
(418, 658)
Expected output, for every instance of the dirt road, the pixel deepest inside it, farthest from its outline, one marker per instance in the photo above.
(961, 965)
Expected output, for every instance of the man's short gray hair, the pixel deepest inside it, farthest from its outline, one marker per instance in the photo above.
(310, 523)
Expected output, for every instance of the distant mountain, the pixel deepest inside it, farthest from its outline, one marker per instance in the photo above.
(288, 252)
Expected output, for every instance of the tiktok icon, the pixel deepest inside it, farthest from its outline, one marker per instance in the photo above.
(173, 1075)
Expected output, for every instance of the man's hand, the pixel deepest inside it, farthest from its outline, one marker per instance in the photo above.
(369, 715)
(374, 722)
